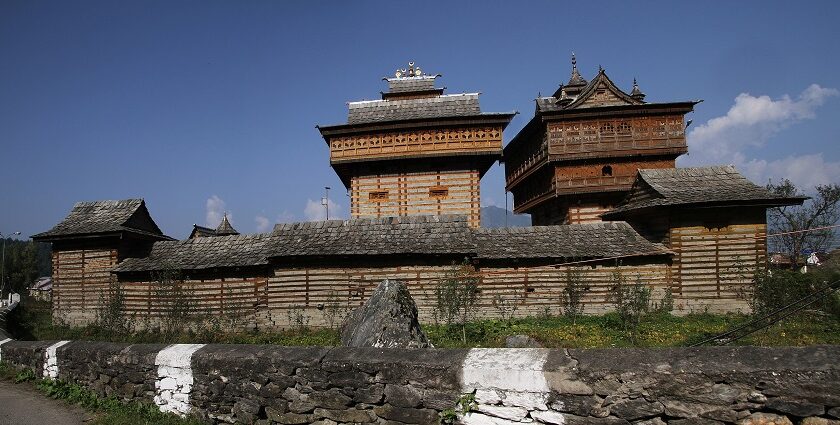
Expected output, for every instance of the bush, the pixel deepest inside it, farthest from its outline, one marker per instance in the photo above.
(571, 298)
(774, 289)
(632, 301)
(456, 296)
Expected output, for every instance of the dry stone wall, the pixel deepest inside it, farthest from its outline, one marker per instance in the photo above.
(322, 385)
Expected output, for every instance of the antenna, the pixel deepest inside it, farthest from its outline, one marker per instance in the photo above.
(325, 201)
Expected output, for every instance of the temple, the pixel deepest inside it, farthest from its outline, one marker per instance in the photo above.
(595, 167)
(417, 151)
(578, 156)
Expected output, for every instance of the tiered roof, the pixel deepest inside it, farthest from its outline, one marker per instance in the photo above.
(412, 97)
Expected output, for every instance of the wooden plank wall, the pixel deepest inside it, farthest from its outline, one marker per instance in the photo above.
(80, 276)
(306, 292)
(714, 266)
(410, 194)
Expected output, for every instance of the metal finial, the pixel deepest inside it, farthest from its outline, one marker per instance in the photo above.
(600, 68)
(574, 61)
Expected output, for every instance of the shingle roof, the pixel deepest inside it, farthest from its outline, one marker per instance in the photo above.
(99, 217)
(418, 235)
(453, 105)
(225, 228)
(411, 84)
(696, 186)
(591, 240)
(203, 253)
(377, 236)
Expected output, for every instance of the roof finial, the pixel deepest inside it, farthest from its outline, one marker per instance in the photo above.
(637, 93)
(576, 79)
(412, 71)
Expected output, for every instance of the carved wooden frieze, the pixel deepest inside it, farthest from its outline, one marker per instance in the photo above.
(416, 142)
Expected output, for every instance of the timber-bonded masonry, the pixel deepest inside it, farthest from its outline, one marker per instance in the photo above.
(295, 385)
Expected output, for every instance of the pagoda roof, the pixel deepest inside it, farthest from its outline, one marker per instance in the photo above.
(412, 101)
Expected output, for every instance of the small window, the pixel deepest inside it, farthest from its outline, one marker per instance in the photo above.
(439, 192)
(606, 171)
(624, 127)
(380, 195)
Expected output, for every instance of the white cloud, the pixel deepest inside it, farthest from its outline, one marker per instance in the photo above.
(263, 223)
(806, 171)
(215, 209)
(285, 217)
(314, 211)
(751, 123)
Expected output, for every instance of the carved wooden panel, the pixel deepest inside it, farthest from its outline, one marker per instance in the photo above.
(417, 142)
(617, 137)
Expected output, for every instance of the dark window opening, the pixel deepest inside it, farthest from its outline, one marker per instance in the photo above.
(381, 195)
(606, 171)
(438, 192)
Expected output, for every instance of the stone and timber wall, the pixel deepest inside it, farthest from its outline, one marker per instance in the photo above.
(325, 385)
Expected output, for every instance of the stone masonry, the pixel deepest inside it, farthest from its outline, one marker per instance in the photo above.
(324, 385)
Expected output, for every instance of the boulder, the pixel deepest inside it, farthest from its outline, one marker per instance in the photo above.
(387, 320)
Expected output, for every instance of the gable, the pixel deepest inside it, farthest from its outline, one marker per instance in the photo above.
(603, 95)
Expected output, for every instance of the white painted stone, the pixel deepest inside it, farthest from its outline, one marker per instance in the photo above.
(51, 360)
(1, 346)
(175, 378)
(510, 369)
(474, 418)
(512, 413)
(549, 417)
(168, 384)
(530, 401)
(487, 397)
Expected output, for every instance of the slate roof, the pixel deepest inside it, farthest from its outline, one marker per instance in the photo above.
(225, 228)
(411, 84)
(203, 253)
(103, 217)
(376, 236)
(697, 186)
(591, 240)
(445, 106)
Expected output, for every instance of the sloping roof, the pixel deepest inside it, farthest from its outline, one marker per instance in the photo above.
(103, 217)
(552, 103)
(696, 186)
(201, 232)
(203, 253)
(591, 240)
(225, 228)
(42, 284)
(445, 106)
(375, 236)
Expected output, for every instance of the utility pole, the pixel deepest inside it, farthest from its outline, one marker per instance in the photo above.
(3, 264)
(326, 200)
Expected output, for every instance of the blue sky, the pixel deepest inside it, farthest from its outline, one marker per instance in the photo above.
(204, 107)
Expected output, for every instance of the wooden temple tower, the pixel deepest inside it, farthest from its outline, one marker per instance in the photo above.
(417, 151)
(580, 153)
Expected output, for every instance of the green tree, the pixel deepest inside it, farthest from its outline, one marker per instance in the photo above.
(822, 210)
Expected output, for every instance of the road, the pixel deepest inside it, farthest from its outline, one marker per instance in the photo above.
(21, 404)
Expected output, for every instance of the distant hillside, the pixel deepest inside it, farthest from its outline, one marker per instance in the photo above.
(495, 217)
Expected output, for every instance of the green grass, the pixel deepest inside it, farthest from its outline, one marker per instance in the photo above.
(655, 330)
(109, 411)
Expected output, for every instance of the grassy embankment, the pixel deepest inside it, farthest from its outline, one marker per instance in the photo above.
(33, 322)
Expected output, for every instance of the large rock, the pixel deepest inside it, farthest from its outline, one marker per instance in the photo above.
(388, 320)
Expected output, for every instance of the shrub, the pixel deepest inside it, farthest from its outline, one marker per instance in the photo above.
(632, 301)
(571, 298)
(774, 289)
(456, 296)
